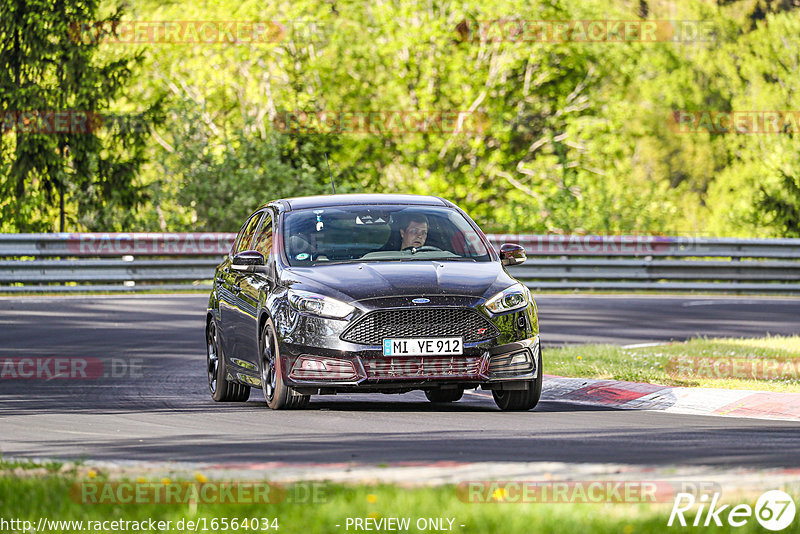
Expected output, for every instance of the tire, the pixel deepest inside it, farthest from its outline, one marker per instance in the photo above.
(222, 390)
(522, 400)
(444, 395)
(278, 395)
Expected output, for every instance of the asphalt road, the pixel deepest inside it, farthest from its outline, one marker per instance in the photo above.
(158, 407)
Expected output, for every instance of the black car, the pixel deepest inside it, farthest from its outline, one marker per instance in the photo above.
(370, 293)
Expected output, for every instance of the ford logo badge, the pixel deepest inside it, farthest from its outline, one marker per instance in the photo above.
(421, 301)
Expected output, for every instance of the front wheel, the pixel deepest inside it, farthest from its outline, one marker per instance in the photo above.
(524, 399)
(222, 389)
(278, 395)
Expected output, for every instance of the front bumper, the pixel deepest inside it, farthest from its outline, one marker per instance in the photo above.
(502, 363)
(318, 352)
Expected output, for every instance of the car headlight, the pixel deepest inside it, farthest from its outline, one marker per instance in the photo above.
(307, 302)
(513, 298)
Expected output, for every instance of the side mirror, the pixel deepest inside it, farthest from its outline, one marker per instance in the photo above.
(511, 254)
(248, 261)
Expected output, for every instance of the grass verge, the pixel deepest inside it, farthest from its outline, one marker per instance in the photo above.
(53, 497)
(771, 363)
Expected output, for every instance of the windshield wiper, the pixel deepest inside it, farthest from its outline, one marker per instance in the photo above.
(443, 258)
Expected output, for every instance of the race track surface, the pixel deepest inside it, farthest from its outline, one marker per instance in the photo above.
(158, 408)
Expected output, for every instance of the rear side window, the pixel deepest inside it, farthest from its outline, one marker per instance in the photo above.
(263, 242)
(246, 235)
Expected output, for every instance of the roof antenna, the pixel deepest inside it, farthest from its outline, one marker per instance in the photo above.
(329, 172)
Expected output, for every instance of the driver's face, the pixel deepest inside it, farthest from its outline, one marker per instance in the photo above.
(414, 235)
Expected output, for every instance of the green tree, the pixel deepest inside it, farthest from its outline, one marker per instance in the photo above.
(48, 66)
(577, 136)
(779, 207)
(226, 173)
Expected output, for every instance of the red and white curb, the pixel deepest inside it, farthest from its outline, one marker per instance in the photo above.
(696, 401)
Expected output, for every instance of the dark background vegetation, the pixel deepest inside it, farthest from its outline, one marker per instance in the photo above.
(577, 137)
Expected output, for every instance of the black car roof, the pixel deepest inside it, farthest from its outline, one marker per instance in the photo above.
(322, 201)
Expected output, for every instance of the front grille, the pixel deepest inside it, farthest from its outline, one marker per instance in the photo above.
(420, 322)
(423, 367)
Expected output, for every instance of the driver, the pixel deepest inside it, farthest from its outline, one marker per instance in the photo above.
(414, 232)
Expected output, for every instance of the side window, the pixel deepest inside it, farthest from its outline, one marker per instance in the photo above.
(263, 242)
(246, 235)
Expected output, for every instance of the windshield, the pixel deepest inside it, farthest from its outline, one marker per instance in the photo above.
(379, 233)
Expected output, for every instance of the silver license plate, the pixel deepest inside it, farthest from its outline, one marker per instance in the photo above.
(423, 346)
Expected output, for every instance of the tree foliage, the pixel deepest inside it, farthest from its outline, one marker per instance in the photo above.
(44, 71)
(574, 137)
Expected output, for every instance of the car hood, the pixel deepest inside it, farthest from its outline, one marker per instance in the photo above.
(370, 280)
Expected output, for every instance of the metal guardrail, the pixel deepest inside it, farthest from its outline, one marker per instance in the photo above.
(104, 245)
(138, 261)
(655, 246)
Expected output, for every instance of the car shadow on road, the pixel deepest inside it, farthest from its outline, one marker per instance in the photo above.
(415, 402)
(640, 444)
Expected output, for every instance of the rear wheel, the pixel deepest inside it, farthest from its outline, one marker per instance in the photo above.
(524, 399)
(444, 395)
(222, 390)
(278, 395)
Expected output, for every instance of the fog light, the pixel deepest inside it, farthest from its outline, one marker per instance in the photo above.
(509, 365)
(520, 358)
(320, 368)
(312, 365)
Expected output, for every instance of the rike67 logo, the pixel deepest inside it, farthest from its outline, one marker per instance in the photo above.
(774, 510)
